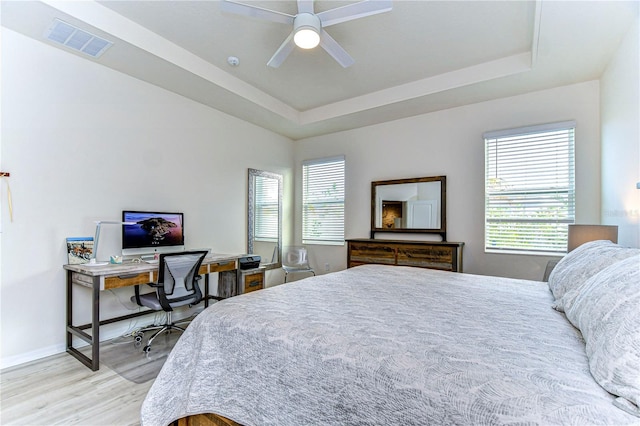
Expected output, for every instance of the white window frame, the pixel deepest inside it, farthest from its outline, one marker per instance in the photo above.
(323, 201)
(266, 211)
(529, 188)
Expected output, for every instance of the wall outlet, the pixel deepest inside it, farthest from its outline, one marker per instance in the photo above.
(327, 267)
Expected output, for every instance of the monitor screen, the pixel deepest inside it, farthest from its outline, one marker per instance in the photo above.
(151, 232)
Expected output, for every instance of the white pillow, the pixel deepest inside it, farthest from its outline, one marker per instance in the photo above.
(607, 312)
(582, 263)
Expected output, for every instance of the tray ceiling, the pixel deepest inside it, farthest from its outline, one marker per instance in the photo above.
(421, 57)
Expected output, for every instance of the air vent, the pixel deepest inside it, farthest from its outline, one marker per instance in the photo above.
(76, 39)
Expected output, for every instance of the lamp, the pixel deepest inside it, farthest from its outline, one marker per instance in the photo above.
(99, 224)
(306, 30)
(580, 234)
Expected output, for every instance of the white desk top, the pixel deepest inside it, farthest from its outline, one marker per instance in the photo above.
(129, 267)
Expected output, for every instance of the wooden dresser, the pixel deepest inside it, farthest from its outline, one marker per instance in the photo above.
(446, 256)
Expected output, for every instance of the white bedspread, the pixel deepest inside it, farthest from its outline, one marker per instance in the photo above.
(381, 345)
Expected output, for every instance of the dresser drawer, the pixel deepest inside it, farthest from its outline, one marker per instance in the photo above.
(253, 282)
(127, 280)
(362, 253)
(433, 257)
(446, 256)
(204, 269)
(221, 267)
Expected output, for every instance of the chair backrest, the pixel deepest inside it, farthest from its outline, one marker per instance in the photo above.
(274, 255)
(178, 276)
(295, 256)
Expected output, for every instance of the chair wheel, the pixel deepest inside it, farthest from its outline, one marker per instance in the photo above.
(146, 349)
(137, 343)
(138, 338)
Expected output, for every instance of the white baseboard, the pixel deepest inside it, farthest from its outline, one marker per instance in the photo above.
(23, 358)
(108, 332)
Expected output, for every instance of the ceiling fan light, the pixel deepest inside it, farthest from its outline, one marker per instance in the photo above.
(306, 38)
(306, 30)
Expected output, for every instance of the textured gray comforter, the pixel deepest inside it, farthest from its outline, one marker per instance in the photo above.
(381, 345)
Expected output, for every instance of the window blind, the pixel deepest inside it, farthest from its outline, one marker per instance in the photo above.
(266, 210)
(323, 201)
(529, 188)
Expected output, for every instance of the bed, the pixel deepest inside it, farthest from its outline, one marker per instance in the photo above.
(395, 345)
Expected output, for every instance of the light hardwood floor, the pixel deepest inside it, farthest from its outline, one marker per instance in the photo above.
(59, 390)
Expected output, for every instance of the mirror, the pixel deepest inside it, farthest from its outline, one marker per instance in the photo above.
(415, 205)
(265, 217)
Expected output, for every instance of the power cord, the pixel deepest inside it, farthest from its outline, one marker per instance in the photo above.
(127, 304)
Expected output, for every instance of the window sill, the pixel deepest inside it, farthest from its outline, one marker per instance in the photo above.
(526, 252)
(323, 243)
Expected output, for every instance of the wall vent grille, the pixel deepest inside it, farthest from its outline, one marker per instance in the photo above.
(76, 39)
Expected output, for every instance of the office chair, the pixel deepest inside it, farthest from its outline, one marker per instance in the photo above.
(295, 259)
(177, 286)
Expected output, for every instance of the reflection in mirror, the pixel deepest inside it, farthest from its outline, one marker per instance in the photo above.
(409, 205)
(265, 217)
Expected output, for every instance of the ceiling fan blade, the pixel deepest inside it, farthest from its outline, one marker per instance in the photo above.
(283, 51)
(354, 11)
(335, 50)
(256, 12)
(305, 6)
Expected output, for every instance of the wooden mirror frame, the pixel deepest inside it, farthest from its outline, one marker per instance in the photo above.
(251, 209)
(442, 230)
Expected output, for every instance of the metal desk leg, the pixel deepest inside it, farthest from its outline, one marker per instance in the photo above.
(95, 325)
(69, 310)
(94, 339)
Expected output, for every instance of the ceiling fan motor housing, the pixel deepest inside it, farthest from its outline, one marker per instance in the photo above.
(305, 25)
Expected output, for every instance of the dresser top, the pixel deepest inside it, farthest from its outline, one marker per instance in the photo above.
(383, 241)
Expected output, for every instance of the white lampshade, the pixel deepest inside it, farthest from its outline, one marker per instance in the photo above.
(306, 38)
(580, 234)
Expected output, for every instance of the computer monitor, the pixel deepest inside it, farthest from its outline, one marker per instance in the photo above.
(153, 232)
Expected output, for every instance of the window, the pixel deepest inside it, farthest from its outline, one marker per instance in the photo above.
(266, 214)
(323, 201)
(529, 188)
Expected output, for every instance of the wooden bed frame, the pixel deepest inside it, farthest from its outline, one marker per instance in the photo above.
(206, 419)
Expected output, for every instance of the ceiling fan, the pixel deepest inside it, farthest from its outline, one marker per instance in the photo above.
(309, 27)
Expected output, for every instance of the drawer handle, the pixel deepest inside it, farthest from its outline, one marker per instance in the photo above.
(124, 277)
(254, 283)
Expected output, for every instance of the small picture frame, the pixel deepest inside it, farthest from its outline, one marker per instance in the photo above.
(79, 249)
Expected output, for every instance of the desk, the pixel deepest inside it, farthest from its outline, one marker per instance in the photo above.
(110, 276)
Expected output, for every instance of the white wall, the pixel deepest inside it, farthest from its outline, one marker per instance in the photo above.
(82, 143)
(620, 103)
(450, 143)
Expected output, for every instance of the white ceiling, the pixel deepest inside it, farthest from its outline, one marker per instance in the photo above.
(423, 56)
